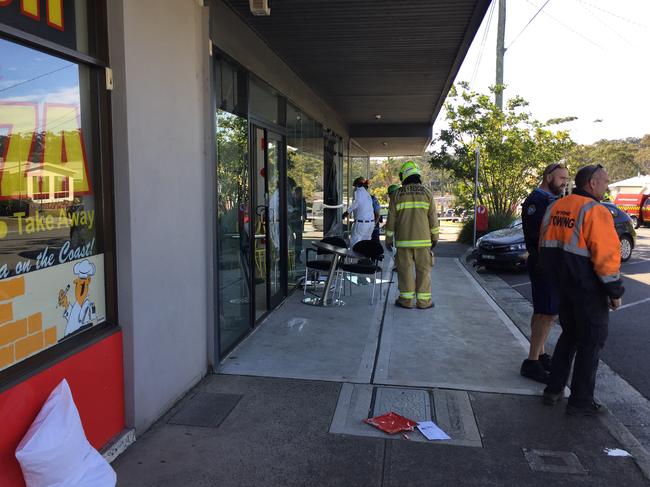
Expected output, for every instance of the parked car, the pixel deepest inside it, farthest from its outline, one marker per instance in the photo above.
(625, 229)
(506, 248)
(450, 215)
(502, 248)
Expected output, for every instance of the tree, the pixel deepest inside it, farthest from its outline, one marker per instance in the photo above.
(642, 157)
(514, 148)
(619, 157)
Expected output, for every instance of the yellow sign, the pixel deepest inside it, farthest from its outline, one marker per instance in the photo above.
(32, 9)
(63, 169)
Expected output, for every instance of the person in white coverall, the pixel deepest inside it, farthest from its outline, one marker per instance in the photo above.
(363, 212)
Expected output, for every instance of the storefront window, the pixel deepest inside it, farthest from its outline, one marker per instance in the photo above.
(51, 244)
(234, 220)
(305, 185)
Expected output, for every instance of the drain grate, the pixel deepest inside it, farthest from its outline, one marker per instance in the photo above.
(554, 461)
(205, 409)
(451, 410)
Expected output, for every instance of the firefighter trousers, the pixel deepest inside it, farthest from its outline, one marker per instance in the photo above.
(584, 318)
(414, 276)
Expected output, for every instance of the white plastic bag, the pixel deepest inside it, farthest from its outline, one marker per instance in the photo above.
(55, 451)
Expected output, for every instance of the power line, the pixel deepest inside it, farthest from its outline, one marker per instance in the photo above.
(36, 77)
(485, 35)
(585, 7)
(624, 19)
(529, 22)
(569, 28)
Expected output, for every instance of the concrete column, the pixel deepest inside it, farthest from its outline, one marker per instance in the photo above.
(160, 105)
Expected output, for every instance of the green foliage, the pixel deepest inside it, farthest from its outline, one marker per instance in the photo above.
(622, 158)
(495, 222)
(386, 173)
(514, 148)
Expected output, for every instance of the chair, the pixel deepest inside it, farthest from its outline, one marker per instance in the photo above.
(372, 252)
(321, 265)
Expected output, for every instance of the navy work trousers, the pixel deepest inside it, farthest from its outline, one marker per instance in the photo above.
(584, 318)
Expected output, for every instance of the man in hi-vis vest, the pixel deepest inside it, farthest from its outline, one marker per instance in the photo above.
(413, 228)
(580, 249)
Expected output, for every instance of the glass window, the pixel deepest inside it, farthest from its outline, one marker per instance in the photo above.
(263, 101)
(304, 186)
(51, 243)
(63, 22)
(234, 223)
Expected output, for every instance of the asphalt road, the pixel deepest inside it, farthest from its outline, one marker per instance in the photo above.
(628, 344)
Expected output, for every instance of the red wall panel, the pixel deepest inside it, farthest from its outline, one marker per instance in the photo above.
(96, 379)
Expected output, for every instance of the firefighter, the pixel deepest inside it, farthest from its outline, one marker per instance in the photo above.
(413, 227)
(579, 248)
(364, 214)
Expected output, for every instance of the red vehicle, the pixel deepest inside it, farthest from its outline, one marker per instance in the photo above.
(635, 205)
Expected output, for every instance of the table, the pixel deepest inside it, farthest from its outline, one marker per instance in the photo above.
(338, 254)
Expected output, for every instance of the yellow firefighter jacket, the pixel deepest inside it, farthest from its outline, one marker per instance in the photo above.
(412, 218)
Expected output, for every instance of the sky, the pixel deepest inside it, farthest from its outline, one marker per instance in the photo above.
(583, 58)
(27, 75)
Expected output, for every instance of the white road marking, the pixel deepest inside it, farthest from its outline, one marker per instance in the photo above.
(520, 284)
(634, 303)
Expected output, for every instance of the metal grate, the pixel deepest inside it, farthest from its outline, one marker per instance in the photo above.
(205, 409)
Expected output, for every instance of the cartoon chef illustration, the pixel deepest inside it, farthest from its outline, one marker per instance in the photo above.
(81, 312)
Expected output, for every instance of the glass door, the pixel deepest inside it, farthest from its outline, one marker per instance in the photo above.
(269, 219)
(234, 230)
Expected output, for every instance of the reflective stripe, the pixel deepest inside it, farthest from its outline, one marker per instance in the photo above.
(435, 230)
(390, 233)
(423, 295)
(413, 243)
(409, 205)
(572, 249)
(407, 295)
(610, 278)
(577, 229)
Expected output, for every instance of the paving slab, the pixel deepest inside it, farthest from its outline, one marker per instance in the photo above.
(308, 342)
(466, 342)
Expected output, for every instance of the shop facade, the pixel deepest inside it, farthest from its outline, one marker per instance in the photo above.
(162, 171)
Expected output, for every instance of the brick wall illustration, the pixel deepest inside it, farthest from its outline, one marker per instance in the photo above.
(20, 336)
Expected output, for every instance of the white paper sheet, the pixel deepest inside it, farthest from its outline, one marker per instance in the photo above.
(431, 431)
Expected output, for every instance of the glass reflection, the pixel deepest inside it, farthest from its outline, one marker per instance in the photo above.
(304, 187)
(46, 172)
(233, 228)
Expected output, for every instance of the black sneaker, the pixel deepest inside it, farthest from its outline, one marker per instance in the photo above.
(545, 360)
(594, 409)
(552, 398)
(532, 369)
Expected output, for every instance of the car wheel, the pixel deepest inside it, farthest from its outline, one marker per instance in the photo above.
(635, 221)
(626, 248)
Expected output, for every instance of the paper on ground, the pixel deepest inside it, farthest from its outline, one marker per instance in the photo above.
(616, 452)
(431, 431)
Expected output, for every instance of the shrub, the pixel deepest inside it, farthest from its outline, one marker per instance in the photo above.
(495, 222)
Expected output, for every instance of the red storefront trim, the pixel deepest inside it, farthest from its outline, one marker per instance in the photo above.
(96, 379)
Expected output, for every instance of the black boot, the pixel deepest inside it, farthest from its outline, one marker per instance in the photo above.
(545, 359)
(533, 369)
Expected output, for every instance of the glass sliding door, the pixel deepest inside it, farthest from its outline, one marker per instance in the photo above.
(269, 219)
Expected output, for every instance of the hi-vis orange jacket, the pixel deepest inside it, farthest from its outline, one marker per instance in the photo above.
(579, 246)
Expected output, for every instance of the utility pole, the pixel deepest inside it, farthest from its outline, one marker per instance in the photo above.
(501, 35)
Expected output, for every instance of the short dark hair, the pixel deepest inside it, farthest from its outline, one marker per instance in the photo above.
(585, 174)
(553, 167)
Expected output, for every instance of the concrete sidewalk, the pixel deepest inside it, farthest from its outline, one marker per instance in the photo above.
(287, 405)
